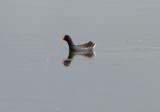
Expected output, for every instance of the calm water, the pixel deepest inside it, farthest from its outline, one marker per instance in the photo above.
(122, 77)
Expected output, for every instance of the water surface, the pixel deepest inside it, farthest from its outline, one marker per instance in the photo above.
(123, 76)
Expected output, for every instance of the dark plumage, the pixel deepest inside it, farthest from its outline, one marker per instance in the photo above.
(83, 47)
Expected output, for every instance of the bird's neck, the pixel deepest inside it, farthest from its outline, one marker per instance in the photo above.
(71, 44)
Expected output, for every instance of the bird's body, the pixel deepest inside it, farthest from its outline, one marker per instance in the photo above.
(83, 47)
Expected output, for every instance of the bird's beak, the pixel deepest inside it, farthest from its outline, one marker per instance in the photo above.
(62, 38)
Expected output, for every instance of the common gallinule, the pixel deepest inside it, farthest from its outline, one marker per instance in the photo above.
(83, 47)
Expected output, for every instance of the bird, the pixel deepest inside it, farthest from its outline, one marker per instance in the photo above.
(82, 47)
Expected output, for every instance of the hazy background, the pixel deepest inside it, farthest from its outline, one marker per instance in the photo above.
(123, 77)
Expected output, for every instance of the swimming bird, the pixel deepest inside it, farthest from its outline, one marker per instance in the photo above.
(82, 47)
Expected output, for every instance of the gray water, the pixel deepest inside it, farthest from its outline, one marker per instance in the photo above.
(122, 77)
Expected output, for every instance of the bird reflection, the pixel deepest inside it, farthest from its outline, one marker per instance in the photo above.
(72, 54)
